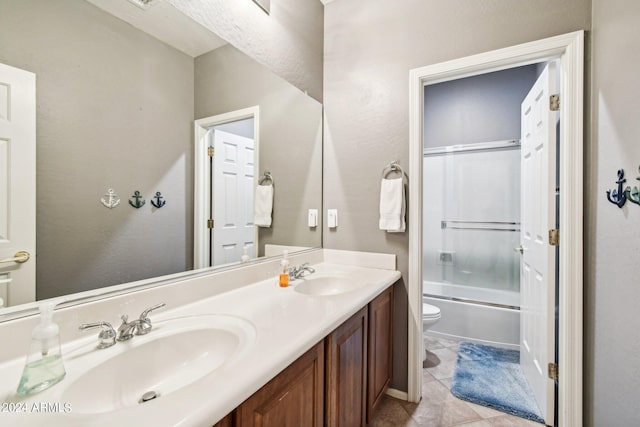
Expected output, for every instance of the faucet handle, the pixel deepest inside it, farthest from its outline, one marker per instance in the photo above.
(144, 324)
(145, 314)
(107, 335)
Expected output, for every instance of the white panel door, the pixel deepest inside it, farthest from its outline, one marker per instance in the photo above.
(233, 178)
(17, 184)
(537, 285)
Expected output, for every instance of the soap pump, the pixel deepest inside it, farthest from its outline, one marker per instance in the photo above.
(284, 270)
(44, 366)
(245, 256)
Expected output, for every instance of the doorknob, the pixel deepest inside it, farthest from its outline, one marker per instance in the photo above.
(19, 257)
(519, 249)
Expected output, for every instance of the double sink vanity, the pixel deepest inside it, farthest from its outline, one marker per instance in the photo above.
(230, 348)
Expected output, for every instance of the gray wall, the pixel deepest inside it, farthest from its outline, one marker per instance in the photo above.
(612, 369)
(114, 110)
(370, 46)
(289, 41)
(476, 109)
(290, 137)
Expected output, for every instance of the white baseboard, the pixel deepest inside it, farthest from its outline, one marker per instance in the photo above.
(402, 395)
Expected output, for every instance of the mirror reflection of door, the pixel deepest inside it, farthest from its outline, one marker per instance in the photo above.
(226, 160)
(17, 185)
(232, 173)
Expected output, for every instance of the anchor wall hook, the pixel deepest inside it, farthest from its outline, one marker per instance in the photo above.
(618, 196)
(633, 195)
(139, 202)
(110, 199)
(160, 203)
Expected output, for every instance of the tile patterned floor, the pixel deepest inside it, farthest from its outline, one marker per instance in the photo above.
(440, 408)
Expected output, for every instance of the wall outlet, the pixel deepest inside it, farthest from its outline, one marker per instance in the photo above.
(313, 218)
(332, 218)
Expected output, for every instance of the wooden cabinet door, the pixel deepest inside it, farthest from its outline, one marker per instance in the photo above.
(380, 349)
(346, 373)
(295, 398)
(226, 421)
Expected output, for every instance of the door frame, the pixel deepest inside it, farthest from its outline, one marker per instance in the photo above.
(20, 98)
(201, 184)
(569, 48)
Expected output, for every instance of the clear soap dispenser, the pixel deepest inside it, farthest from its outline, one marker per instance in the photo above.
(44, 366)
(283, 278)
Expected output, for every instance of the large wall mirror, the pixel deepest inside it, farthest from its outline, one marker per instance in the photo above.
(125, 97)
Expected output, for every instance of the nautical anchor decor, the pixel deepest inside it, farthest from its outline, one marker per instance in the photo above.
(633, 195)
(619, 195)
(110, 199)
(139, 201)
(159, 202)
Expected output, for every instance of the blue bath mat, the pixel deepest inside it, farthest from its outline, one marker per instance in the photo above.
(491, 376)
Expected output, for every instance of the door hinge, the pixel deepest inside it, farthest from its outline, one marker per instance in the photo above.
(554, 237)
(209, 223)
(553, 371)
(211, 151)
(554, 102)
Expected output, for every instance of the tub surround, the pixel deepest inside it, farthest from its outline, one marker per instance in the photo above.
(478, 323)
(287, 323)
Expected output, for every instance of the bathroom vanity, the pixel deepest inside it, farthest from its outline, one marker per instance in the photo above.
(340, 380)
(230, 348)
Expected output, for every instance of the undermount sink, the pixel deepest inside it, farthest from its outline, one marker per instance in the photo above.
(175, 354)
(327, 285)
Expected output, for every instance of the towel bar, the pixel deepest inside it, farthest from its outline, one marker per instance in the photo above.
(480, 225)
(266, 176)
(392, 166)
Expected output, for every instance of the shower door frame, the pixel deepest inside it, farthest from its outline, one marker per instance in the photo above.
(569, 48)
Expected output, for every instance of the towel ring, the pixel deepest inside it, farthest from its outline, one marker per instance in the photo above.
(266, 176)
(391, 167)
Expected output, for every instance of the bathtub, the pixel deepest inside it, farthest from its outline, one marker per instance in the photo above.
(481, 315)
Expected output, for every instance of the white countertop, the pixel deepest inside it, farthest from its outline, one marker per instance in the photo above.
(287, 324)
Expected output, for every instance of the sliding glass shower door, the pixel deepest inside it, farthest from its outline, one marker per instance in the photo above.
(472, 223)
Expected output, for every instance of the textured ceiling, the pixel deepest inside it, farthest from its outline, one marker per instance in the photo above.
(166, 23)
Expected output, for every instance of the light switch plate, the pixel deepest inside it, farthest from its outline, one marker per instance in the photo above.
(332, 218)
(313, 218)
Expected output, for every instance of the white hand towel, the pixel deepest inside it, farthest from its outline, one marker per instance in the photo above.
(263, 205)
(392, 205)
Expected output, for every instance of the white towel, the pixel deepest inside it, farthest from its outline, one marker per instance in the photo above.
(263, 205)
(392, 205)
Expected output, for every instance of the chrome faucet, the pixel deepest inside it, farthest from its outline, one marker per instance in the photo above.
(126, 329)
(107, 335)
(144, 323)
(298, 272)
(140, 326)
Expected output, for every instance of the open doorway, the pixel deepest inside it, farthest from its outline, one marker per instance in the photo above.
(489, 166)
(568, 50)
(226, 159)
(231, 174)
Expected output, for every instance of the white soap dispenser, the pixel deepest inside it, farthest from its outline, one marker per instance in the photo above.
(44, 366)
(245, 256)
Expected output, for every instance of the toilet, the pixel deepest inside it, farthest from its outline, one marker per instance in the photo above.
(430, 315)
